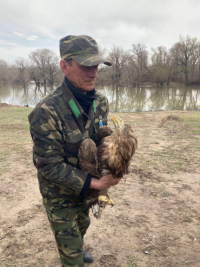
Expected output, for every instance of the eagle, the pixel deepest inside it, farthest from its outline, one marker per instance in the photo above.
(109, 153)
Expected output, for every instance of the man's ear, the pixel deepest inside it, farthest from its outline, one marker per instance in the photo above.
(64, 67)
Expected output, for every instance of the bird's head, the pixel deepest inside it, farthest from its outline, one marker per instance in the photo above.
(118, 122)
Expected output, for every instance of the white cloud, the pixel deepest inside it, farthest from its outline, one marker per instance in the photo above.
(12, 53)
(19, 34)
(15, 51)
(29, 38)
(32, 38)
(6, 43)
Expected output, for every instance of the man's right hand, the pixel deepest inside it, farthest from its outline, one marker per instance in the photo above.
(104, 182)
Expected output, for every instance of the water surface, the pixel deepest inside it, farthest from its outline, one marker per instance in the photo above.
(127, 100)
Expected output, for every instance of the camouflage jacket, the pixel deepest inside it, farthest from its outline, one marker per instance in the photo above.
(58, 124)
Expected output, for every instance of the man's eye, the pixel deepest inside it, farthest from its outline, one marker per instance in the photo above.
(84, 68)
(87, 68)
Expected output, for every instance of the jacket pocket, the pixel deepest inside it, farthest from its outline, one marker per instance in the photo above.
(73, 139)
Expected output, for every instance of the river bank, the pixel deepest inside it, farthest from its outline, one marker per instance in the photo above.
(155, 220)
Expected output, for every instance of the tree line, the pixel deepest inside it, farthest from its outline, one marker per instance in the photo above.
(134, 67)
(42, 67)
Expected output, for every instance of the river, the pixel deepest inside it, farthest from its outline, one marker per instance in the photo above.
(127, 100)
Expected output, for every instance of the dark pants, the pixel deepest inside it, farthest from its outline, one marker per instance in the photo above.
(69, 224)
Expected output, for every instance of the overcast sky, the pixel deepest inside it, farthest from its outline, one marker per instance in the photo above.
(27, 25)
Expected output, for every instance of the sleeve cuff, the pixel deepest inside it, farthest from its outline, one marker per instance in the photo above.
(86, 184)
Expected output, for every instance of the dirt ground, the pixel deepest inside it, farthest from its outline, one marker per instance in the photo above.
(156, 217)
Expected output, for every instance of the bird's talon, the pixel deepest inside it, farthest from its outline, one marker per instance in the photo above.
(104, 200)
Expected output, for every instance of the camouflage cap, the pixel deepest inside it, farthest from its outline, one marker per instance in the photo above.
(83, 49)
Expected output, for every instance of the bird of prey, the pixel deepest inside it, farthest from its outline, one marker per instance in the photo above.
(111, 153)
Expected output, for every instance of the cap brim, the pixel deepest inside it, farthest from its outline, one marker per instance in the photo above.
(91, 60)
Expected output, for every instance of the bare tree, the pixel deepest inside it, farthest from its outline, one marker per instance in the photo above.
(102, 69)
(46, 62)
(52, 68)
(139, 60)
(118, 57)
(23, 71)
(161, 65)
(12, 72)
(3, 71)
(185, 54)
(35, 75)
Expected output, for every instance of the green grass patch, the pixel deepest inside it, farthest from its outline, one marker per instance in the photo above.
(191, 120)
(132, 262)
(14, 115)
(14, 133)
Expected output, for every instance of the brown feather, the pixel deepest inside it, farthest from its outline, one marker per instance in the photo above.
(87, 155)
(103, 132)
(115, 151)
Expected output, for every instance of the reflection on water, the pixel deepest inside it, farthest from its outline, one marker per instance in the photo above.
(127, 100)
(19, 95)
(153, 98)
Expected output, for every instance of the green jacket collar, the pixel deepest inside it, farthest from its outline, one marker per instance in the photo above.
(73, 104)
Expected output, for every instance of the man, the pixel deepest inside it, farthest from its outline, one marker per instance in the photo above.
(58, 124)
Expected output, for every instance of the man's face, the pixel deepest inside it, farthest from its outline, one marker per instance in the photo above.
(83, 78)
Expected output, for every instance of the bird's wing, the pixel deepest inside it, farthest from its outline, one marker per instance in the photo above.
(87, 155)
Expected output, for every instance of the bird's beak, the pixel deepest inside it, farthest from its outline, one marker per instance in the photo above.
(118, 122)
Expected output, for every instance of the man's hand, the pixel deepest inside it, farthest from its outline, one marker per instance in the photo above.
(104, 182)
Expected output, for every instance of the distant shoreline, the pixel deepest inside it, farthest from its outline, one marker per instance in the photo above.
(5, 105)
